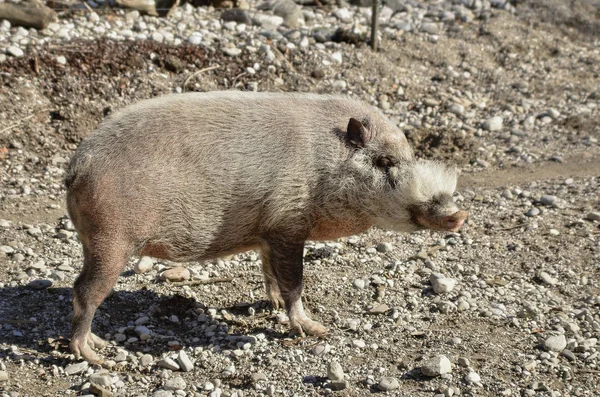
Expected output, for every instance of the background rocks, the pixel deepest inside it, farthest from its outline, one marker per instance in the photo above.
(521, 317)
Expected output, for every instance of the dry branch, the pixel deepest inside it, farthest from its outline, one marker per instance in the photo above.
(215, 280)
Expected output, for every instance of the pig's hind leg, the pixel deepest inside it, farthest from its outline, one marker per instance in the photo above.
(286, 265)
(101, 268)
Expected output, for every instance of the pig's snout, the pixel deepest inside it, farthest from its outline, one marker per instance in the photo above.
(455, 221)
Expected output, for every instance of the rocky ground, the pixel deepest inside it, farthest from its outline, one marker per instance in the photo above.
(510, 306)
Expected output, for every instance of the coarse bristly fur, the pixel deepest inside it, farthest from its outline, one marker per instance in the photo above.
(195, 176)
(430, 179)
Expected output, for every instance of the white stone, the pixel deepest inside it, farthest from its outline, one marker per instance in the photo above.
(493, 123)
(335, 371)
(144, 265)
(15, 51)
(555, 343)
(436, 366)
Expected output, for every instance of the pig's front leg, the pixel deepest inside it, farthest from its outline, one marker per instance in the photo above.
(285, 258)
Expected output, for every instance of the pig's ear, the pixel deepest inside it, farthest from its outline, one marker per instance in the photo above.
(357, 133)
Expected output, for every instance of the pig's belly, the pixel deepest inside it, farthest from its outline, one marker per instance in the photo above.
(168, 252)
(331, 229)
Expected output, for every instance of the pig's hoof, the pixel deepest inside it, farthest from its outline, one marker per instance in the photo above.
(309, 327)
(84, 348)
(275, 296)
(277, 301)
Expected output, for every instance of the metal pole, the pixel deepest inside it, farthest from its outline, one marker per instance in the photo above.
(375, 25)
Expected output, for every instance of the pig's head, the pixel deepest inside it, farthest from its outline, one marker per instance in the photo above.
(404, 194)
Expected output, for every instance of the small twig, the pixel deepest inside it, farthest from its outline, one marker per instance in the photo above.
(86, 5)
(294, 341)
(375, 25)
(197, 73)
(284, 58)
(10, 127)
(237, 77)
(172, 9)
(215, 280)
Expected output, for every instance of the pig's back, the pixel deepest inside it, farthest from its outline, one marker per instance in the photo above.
(214, 134)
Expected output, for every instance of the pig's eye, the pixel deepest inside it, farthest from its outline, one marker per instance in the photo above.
(386, 163)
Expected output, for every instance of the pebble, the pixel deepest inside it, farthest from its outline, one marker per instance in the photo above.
(336, 57)
(320, 349)
(548, 200)
(379, 309)
(593, 216)
(473, 377)
(533, 211)
(61, 60)
(343, 14)
(162, 393)
(388, 383)
(236, 15)
(144, 265)
(156, 36)
(15, 51)
(102, 379)
(74, 369)
(3, 376)
(7, 249)
(556, 343)
(184, 361)
(548, 279)
(175, 274)
(100, 391)
(430, 27)
(493, 124)
(146, 360)
(40, 284)
(436, 366)
(441, 284)
(168, 363)
(176, 383)
(259, 377)
(232, 52)
(384, 247)
(359, 283)
(195, 39)
(338, 385)
(335, 371)
(569, 355)
(456, 109)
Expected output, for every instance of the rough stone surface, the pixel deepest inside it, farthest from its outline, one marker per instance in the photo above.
(436, 366)
(176, 274)
(556, 343)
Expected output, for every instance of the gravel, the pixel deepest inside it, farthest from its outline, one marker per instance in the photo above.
(511, 299)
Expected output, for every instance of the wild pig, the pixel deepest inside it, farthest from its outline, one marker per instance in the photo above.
(195, 176)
